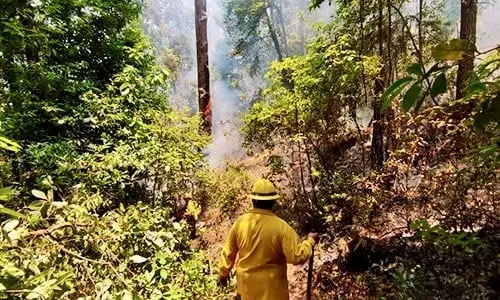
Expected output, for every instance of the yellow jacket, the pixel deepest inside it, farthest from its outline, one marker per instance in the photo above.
(264, 244)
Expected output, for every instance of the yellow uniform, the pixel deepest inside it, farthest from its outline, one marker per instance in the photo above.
(264, 244)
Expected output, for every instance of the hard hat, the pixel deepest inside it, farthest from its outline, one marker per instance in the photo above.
(264, 189)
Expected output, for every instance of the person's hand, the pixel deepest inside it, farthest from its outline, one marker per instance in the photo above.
(223, 280)
(314, 236)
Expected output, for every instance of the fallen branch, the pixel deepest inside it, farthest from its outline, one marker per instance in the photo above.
(52, 229)
(100, 262)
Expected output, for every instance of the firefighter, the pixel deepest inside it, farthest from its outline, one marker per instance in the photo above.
(264, 244)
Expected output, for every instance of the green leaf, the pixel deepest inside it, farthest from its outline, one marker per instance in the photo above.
(489, 150)
(452, 50)
(393, 90)
(125, 92)
(13, 271)
(476, 88)
(42, 291)
(127, 295)
(439, 85)
(411, 97)
(164, 274)
(36, 205)
(10, 212)
(39, 194)
(6, 193)
(415, 69)
(9, 145)
(137, 259)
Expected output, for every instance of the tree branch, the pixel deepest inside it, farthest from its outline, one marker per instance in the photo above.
(52, 229)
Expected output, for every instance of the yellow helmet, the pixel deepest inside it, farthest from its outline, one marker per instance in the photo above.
(264, 189)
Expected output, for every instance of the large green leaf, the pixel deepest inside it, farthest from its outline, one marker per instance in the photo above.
(476, 88)
(439, 85)
(10, 212)
(452, 50)
(9, 145)
(393, 90)
(411, 97)
(6, 193)
(39, 194)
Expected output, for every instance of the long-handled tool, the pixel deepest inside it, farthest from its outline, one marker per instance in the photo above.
(310, 275)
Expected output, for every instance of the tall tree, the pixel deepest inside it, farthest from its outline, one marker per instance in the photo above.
(468, 20)
(202, 61)
(258, 30)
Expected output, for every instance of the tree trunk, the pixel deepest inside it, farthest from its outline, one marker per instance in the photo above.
(377, 149)
(202, 61)
(468, 20)
(281, 19)
(274, 36)
(389, 114)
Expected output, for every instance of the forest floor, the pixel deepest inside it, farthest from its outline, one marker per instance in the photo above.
(339, 272)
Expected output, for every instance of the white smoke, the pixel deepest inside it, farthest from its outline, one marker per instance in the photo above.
(227, 140)
(171, 23)
(488, 25)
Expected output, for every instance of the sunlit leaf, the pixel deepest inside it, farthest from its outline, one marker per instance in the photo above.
(42, 291)
(14, 235)
(10, 225)
(164, 274)
(453, 50)
(9, 145)
(125, 92)
(13, 271)
(10, 212)
(36, 205)
(6, 193)
(127, 295)
(39, 194)
(411, 97)
(137, 259)
(439, 85)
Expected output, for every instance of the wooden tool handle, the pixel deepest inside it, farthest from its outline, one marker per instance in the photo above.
(310, 275)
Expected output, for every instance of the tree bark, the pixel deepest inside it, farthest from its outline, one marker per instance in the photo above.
(377, 148)
(274, 36)
(468, 20)
(281, 19)
(204, 101)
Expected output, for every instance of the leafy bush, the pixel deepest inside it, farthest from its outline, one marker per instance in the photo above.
(228, 188)
(62, 249)
(107, 125)
(81, 92)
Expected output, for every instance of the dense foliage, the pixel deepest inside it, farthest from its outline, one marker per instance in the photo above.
(102, 181)
(88, 196)
(326, 112)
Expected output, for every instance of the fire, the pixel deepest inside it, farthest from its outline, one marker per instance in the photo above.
(207, 116)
